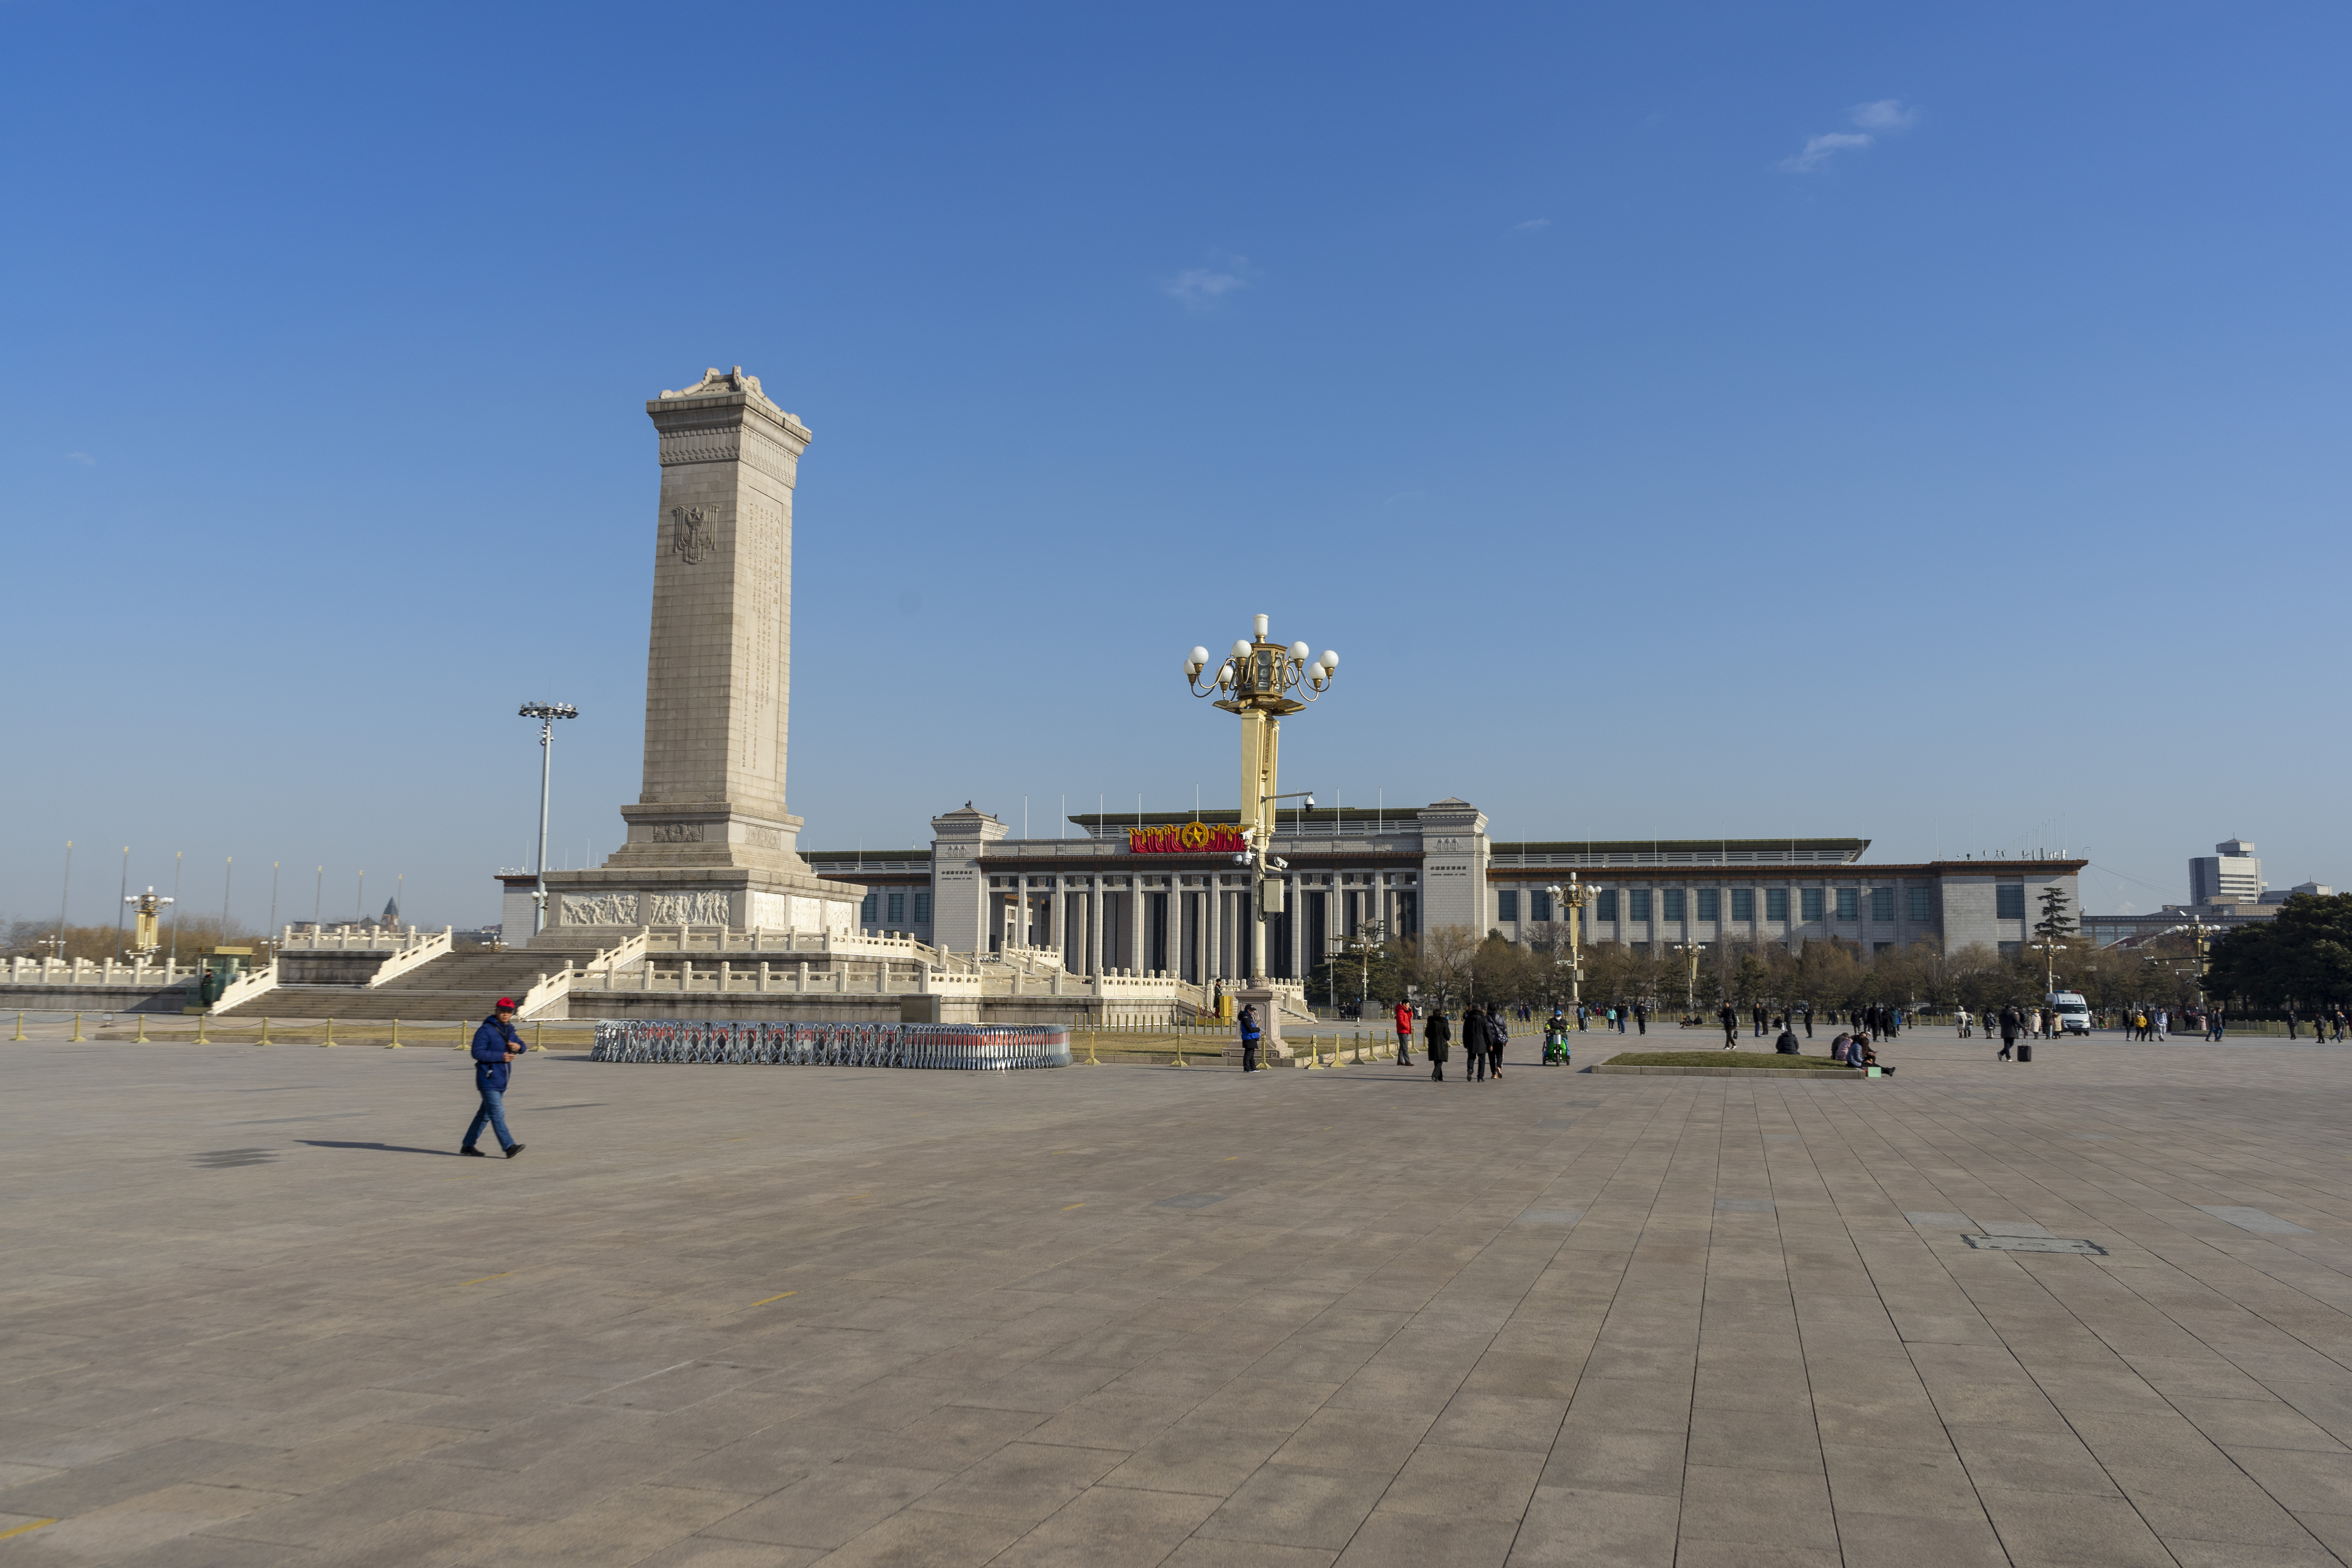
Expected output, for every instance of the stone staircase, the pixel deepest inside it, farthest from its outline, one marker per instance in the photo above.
(457, 985)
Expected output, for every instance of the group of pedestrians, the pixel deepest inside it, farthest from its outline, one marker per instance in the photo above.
(1485, 1031)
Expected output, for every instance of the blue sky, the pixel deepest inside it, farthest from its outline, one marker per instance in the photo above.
(1686, 421)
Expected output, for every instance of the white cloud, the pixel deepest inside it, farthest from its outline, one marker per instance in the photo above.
(1884, 116)
(1820, 148)
(1532, 225)
(83, 459)
(1201, 289)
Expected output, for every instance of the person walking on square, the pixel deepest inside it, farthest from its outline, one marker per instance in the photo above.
(496, 1046)
(2010, 1023)
(1498, 1033)
(1640, 1018)
(1473, 1043)
(1404, 1034)
(1730, 1021)
(1436, 1042)
(1806, 1009)
(1250, 1036)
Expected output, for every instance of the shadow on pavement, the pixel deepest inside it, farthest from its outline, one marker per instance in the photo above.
(380, 1148)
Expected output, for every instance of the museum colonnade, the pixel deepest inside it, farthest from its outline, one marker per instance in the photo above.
(1196, 925)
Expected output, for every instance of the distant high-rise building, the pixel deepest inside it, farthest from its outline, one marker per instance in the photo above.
(2231, 875)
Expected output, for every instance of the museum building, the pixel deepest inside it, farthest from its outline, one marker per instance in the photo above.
(1145, 893)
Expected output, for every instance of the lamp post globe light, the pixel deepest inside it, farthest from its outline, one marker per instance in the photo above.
(1261, 682)
(546, 713)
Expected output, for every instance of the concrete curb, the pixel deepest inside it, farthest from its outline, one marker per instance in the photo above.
(1737, 1072)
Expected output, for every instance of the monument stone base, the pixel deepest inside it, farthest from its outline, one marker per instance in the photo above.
(605, 906)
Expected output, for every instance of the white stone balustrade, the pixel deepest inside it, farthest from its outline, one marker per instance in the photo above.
(98, 971)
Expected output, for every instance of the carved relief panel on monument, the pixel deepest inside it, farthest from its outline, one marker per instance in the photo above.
(763, 568)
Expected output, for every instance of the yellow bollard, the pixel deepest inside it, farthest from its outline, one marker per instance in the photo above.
(1091, 1060)
(20, 1027)
(539, 1037)
(77, 1033)
(330, 1035)
(203, 1038)
(395, 1037)
(264, 1031)
(142, 1031)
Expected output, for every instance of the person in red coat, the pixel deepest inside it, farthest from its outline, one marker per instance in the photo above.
(1404, 1034)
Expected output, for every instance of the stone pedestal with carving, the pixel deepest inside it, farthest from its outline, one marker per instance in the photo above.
(1271, 1048)
(709, 841)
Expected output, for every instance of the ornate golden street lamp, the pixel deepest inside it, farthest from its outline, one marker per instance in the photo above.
(1256, 682)
(1572, 899)
(1691, 951)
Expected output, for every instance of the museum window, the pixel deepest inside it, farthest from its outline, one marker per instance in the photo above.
(1920, 902)
(1640, 900)
(1743, 904)
(1776, 905)
(2010, 948)
(866, 911)
(1506, 905)
(1710, 904)
(1674, 904)
(897, 909)
(1881, 904)
(1882, 947)
(1809, 902)
(1848, 904)
(1539, 906)
(922, 909)
(1604, 908)
(2009, 902)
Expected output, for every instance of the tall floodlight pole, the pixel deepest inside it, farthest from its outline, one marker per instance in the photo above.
(273, 910)
(126, 900)
(228, 879)
(64, 898)
(319, 904)
(546, 713)
(1254, 679)
(172, 959)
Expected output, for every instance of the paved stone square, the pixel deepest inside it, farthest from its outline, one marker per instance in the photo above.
(253, 1312)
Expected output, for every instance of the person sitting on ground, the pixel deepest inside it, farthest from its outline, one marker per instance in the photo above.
(1861, 1055)
(1788, 1045)
(1838, 1047)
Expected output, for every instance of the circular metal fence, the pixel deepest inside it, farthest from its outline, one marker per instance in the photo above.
(968, 1048)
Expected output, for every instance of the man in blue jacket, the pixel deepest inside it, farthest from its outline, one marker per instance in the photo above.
(496, 1044)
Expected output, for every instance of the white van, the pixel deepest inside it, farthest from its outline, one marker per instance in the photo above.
(2074, 1013)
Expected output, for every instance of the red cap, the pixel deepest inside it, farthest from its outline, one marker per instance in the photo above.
(505, 1004)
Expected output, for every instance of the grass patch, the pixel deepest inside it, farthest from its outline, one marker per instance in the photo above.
(1718, 1058)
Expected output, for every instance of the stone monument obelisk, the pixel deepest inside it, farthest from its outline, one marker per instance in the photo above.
(709, 841)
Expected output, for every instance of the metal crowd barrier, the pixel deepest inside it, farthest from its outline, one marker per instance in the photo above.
(969, 1047)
